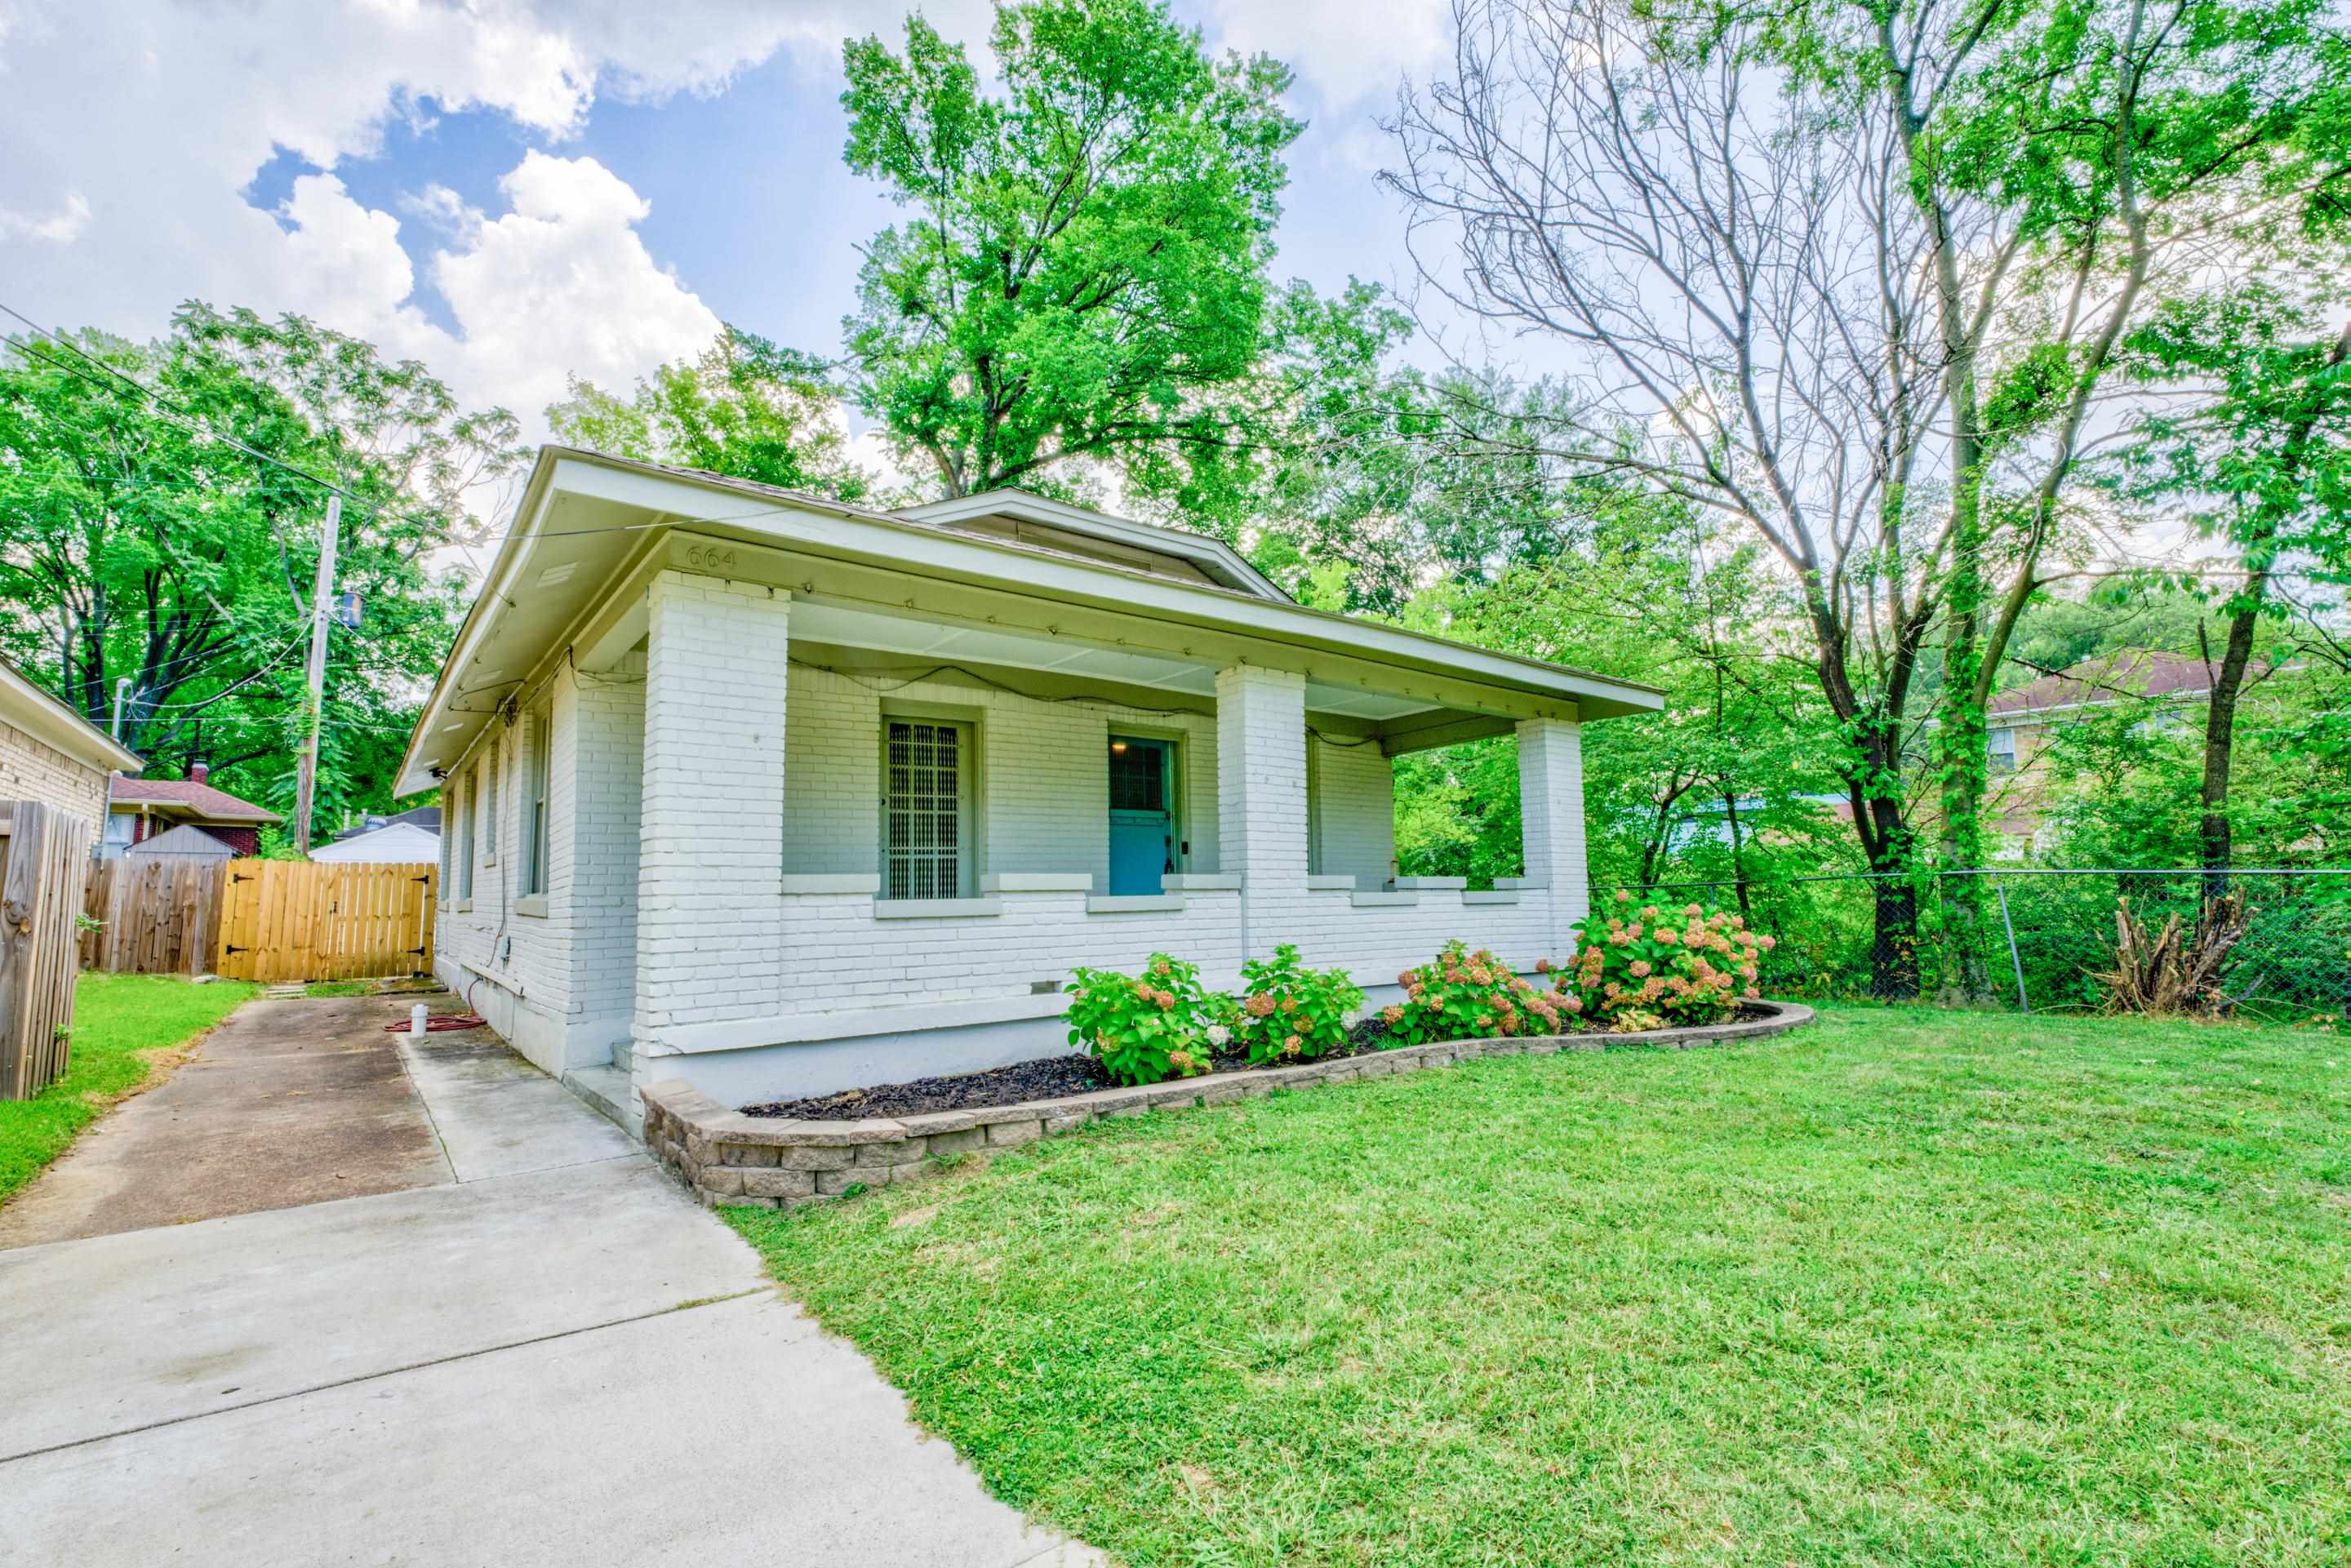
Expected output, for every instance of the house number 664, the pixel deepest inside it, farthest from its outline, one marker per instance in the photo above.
(710, 557)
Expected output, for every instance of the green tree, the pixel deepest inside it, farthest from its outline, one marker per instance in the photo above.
(1725, 784)
(744, 407)
(2262, 458)
(1855, 274)
(1082, 280)
(140, 538)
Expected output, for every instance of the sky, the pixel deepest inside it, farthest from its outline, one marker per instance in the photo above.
(516, 190)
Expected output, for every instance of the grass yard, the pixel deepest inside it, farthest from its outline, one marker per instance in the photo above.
(124, 1024)
(1903, 1287)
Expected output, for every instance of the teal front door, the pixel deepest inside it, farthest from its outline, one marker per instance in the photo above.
(1141, 814)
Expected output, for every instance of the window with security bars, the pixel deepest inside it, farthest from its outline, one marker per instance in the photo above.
(925, 788)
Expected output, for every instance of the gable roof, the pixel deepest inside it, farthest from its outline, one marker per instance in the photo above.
(27, 705)
(187, 839)
(200, 802)
(2131, 674)
(426, 817)
(400, 843)
(1054, 528)
(1027, 522)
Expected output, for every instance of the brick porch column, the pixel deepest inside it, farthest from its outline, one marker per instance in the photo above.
(1261, 795)
(1551, 816)
(710, 828)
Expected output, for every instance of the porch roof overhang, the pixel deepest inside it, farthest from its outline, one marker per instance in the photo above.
(900, 593)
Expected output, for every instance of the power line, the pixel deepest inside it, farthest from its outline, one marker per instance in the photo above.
(177, 413)
(225, 691)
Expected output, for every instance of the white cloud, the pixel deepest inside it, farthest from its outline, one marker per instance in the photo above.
(566, 262)
(134, 129)
(58, 228)
(1346, 51)
(134, 126)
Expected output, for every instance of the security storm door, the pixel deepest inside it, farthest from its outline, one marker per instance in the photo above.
(925, 809)
(1141, 814)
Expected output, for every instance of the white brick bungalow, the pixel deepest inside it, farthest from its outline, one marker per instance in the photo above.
(781, 796)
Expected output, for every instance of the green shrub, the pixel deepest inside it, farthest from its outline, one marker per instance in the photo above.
(1689, 964)
(1462, 995)
(1292, 1013)
(1143, 1028)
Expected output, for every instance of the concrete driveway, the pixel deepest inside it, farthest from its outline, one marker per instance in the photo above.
(537, 1351)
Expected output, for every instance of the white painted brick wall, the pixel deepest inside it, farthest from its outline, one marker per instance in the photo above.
(1551, 808)
(599, 764)
(664, 906)
(1354, 811)
(710, 843)
(1041, 765)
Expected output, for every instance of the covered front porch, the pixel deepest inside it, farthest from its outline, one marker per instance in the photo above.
(846, 802)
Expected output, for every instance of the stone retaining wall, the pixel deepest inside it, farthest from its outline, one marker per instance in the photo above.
(773, 1162)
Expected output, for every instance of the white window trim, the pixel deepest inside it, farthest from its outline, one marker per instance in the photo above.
(487, 836)
(538, 804)
(967, 789)
(468, 808)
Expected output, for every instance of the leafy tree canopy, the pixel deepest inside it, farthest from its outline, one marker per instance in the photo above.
(744, 407)
(140, 538)
(1082, 275)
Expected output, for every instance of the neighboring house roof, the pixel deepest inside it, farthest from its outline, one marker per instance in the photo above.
(27, 705)
(1086, 599)
(2133, 674)
(191, 797)
(401, 843)
(427, 817)
(186, 840)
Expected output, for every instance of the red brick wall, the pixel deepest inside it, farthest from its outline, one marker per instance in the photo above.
(244, 840)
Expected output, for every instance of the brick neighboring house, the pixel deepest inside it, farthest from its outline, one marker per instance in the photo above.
(51, 754)
(782, 796)
(145, 808)
(2020, 723)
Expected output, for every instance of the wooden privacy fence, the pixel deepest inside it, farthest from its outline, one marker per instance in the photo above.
(322, 920)
(44, 856)
(157, 914)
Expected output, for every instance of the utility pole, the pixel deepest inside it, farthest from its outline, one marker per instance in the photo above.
(121, 689)
(322, 597)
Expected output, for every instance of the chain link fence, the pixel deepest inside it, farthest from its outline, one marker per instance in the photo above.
(2035, 938)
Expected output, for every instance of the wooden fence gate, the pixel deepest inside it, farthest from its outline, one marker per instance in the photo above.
(155, 914)
(321, 920)
(44, 855)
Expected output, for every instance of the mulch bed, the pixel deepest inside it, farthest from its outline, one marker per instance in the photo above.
(1048, 1078)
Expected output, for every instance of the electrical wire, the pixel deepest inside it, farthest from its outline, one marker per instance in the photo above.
(1099, 701)
(225, 691)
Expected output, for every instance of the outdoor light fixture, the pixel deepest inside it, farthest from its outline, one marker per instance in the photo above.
(1118, 746)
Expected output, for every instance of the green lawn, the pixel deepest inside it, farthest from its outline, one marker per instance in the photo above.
(1903, 1287)
(118, 1019)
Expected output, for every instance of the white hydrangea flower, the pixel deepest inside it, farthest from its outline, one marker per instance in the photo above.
(1351, 1017)
(1219, 1036)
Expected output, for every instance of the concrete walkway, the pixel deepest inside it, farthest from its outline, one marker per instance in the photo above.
(540, 1351)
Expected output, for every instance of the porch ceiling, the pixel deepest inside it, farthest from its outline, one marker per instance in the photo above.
(818, 619)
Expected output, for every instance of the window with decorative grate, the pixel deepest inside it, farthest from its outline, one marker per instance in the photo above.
(925, 809)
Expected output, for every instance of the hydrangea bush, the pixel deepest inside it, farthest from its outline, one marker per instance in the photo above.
(1143, 1028)
(1686, 965)
(1462, 995)
(1289, 1012)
